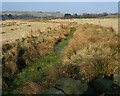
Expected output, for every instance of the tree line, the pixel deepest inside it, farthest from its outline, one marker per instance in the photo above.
(88, 15)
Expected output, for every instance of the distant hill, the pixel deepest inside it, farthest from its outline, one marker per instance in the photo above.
(112, 16)
(20, 15)
(52, 15)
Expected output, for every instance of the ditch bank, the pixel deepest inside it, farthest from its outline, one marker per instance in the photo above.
(18, 55)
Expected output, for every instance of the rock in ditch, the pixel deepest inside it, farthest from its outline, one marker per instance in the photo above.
(53, 91)
(67, 86)
(105, 86)
(117, 76)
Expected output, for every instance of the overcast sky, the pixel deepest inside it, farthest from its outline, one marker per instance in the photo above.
(63, 7)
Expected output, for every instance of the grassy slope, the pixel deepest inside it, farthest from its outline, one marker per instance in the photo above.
(43, 70)
(92, 52)
(111, 16)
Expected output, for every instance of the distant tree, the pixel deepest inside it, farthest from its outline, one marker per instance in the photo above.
(57, 11)
(10, 16)
(105, 14)
(75, 14)
(40, 12)
(67, 15)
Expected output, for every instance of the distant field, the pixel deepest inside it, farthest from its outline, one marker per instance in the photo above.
(106, 22)
(16, 29)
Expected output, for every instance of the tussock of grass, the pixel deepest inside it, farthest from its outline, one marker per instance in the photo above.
(94, 50)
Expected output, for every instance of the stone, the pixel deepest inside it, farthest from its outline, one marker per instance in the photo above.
(71, 86)
(53, 91)
(105, 86)
(117, 76)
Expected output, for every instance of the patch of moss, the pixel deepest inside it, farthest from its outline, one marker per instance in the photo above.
(62, 44)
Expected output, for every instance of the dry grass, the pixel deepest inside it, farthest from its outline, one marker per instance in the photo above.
(90, 53)
(17, 29)
(109, 22)
(93, 50)
(30, 88)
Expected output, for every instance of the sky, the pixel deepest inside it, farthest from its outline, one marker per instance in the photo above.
(63, 7)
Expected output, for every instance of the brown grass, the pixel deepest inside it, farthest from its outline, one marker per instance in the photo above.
(93, 50)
